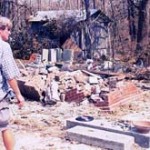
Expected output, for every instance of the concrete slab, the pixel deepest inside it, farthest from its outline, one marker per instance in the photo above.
(52, 57)
(142, 139)
(100, 138)
(45, 55)
(67, 55)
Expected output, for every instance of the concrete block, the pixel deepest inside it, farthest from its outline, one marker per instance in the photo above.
(59, 54)
(100, 138)
(67, 55)
(45, 55)
(52, 55)
(143, 140)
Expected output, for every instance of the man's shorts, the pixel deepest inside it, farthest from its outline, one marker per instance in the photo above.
(4, 114)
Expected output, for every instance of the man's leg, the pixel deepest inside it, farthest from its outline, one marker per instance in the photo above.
(8, 139)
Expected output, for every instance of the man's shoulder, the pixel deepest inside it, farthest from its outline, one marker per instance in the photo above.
(3, 43)
(4, 46)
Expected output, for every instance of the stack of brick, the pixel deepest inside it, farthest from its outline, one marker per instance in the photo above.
(118, 96)
(74, 95)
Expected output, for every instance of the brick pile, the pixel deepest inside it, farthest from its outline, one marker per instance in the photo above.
(74, 95)
(118, 96)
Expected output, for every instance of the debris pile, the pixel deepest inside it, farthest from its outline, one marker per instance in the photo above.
(77, 82)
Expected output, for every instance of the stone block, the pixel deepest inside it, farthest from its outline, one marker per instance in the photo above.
(143, 140)
(100, 138)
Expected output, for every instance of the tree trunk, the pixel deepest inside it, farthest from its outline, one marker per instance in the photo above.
(88, 41)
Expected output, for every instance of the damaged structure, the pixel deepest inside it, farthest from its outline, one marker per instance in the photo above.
(94, 57)
(68, 28)
(85, 56)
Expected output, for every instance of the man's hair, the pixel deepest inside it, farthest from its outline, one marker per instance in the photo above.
(5, 22)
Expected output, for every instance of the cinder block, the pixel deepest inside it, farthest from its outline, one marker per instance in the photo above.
(100, 138)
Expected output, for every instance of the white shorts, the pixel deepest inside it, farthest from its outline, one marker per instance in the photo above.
(4, 114)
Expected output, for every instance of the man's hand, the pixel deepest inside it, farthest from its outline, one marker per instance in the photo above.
(13, 84)
(20, 100)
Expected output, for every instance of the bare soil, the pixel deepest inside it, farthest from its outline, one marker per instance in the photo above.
(38, 127)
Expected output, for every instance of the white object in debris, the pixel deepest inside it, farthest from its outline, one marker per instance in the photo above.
(53, 69)
(43, 71)
(38, 59)
(93, 80)
(104, 52)
(108, 65)
(53, 55)
(45, 55)
(90, 66)
(89, 63)
(51, 92)
(54, 90)
(97, 89)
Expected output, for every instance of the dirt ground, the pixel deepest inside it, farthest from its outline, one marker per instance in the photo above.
(38, 127)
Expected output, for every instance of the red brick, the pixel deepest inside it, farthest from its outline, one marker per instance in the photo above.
(74, 95)
(117, 96)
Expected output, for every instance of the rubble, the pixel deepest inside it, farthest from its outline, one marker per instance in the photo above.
(41, 127)
(94, 63)
(105, 89)
(95, 92)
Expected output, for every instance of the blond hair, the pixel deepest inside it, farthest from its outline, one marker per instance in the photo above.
(5, 22)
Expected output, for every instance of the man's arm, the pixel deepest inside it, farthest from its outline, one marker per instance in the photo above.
(14, 85)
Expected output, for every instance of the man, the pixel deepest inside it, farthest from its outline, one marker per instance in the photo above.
(8, 73)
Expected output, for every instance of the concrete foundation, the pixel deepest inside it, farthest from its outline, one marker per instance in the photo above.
(100, 138)
(142, 139)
